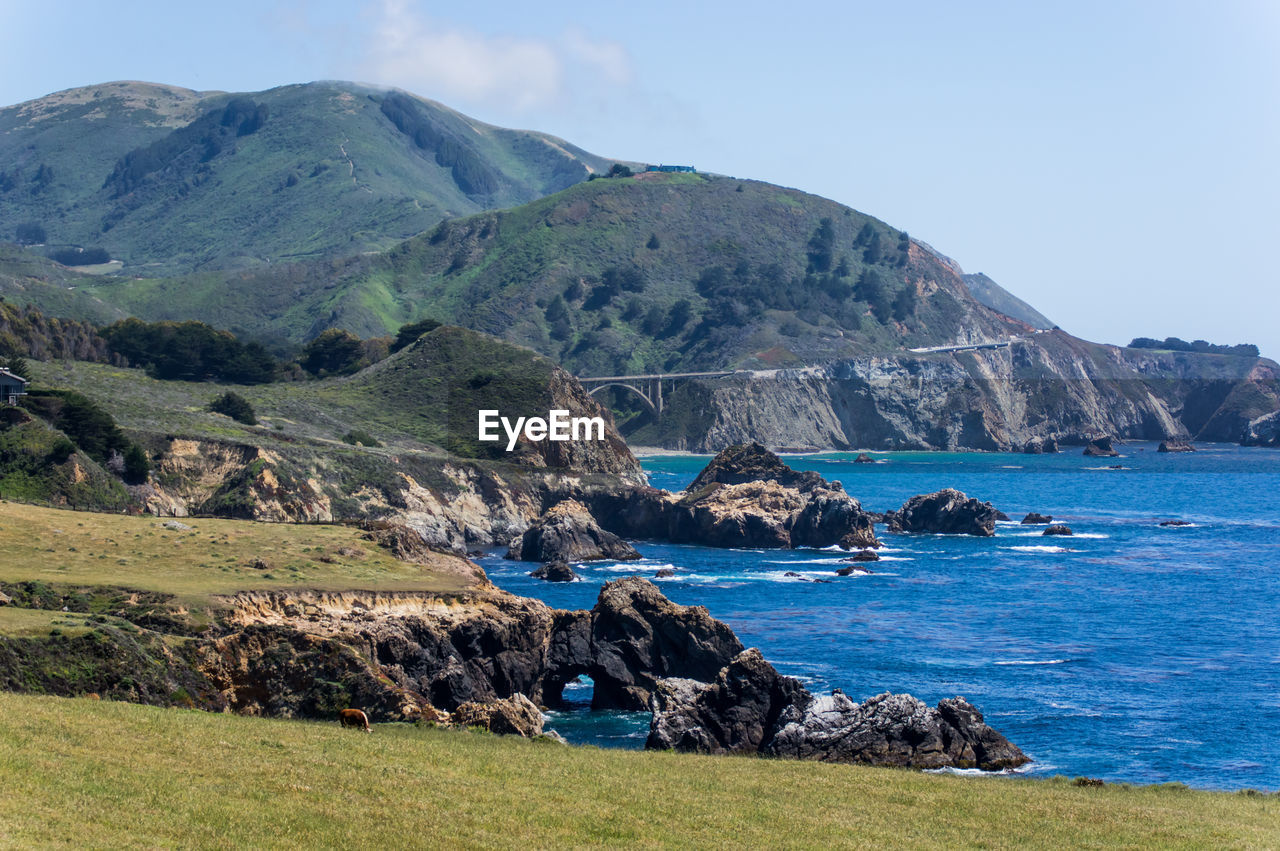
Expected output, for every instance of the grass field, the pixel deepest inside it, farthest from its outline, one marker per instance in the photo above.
(101, 774)
(213, 557)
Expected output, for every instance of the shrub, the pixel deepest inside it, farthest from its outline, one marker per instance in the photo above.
(409, 334)
(235, 406)
(360, 438)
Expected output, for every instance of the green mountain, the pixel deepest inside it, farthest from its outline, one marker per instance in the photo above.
(168, 180)
(653, 272)
(1001, 300)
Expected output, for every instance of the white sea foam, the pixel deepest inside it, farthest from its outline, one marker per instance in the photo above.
(1040, 548)
(978, 772)
(1033, 662)
(1091, 535)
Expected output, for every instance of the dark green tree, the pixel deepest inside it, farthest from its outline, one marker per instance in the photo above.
(235, 406)
(334, 352)
(409, 334)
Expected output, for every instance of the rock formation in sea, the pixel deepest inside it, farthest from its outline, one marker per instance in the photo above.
(1101, 447)
(749, 708)
(745, 497)
(1035, 519)
(947, 511)
(1058, 529)
(554, 571)
(568, 532)
(1176, 446)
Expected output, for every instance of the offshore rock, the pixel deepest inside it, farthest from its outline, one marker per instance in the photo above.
(747, 497)
(751, 708)
(751, 462)
(1176, 446)
(1035, 519)
(947, 511)
(568, 532)
(1058, 529)
(556, 571)
(864, 458)
(1100, 447)
(510, 716)
(1040, 446)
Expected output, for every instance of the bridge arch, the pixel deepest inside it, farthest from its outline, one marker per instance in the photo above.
(636, 390)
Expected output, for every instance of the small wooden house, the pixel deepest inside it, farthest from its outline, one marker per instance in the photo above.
(11, 387)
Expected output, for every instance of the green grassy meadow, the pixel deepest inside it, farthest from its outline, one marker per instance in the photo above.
(212, 558)
(103, 774)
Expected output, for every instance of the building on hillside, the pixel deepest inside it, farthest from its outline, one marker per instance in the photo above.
(11, 387)
(688, 169)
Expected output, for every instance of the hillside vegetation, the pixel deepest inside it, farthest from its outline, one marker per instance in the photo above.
(168, 180)
(655, 272)
(166, 777)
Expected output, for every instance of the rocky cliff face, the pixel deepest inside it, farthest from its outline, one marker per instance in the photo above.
(750, 708)
(1046, 385)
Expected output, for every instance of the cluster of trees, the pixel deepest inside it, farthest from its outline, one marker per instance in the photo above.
(470, 172)
(26, 332)
(198, 142)
(1179, 345)
(618, 170)
(190, 351)
(29, 233)
(92, 430)
(80, 256)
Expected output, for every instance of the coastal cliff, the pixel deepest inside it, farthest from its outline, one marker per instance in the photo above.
(1046, 385)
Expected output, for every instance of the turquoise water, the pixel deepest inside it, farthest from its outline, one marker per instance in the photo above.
(1130, 651)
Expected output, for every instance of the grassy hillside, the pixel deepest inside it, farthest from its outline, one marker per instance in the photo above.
(656, 272)
(166, 777)
(29, 278)
(423, 398)
(168, 180)
(64, 549)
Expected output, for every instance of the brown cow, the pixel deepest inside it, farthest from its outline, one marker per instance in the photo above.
(354, 718)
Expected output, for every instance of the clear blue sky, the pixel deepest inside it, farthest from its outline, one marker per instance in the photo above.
(1115, 164)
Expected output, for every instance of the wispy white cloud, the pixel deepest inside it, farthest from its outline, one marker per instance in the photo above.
(437, 59)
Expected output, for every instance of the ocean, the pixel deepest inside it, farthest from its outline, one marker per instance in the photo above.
(1128, 652)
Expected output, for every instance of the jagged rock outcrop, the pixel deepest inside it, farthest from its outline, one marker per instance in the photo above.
(1058, 529)
(751, 708)
(1176, 446)
(1263, 431)
(1036, 519)
(555, 571)
(947, 511)
(638, 637)
(751, 462)
(510, 716)
(745, 497)
(1101, 447)
(568, 532)
(1040, 446)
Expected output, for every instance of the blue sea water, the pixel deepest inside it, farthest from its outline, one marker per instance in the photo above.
(1130, 651)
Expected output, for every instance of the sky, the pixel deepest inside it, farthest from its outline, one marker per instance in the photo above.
(1112, 163)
